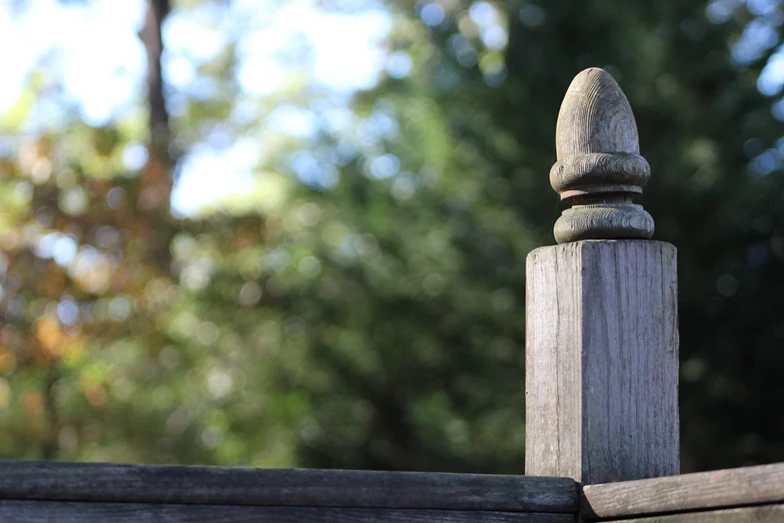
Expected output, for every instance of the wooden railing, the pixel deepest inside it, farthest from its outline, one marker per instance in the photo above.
(751, 494)
(49, 491)
(602, 424)
(90, 492)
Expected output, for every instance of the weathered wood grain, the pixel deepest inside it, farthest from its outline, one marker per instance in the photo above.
(760, 514)
(275, 487)
(81, 512)
(700, 491)
(602, 361)
(605, 221)
(599, 168)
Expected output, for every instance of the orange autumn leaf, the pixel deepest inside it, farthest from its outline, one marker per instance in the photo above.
(96, 395)
(7, 361)
(33, 403)
(48, 333)
(49, 336)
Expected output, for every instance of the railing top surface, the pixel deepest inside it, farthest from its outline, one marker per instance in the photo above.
(100, 482)
(747, 486)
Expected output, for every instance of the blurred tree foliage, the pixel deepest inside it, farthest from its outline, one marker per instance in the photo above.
(363, 305)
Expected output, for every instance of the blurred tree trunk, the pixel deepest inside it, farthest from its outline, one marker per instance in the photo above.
(155, 190)
(151, 37)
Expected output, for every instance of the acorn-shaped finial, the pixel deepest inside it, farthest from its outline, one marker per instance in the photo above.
(599, 168)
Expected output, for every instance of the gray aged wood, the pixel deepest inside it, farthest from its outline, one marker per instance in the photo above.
(247, 486)
(704, 490)
(761, 514)
(599, 167)
(81, 512)
(602, 361)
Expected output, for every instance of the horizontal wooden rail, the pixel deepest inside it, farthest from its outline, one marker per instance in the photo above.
(760, 514)
(97, 512)
(112, 483)
(703, 491)
(92, 492)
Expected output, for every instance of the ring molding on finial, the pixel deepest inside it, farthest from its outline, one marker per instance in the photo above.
(608, 221)
(600, 172)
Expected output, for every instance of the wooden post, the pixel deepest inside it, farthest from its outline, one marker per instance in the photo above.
(601, 313)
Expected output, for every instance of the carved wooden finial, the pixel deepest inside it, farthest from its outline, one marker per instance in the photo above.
(599, 168)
